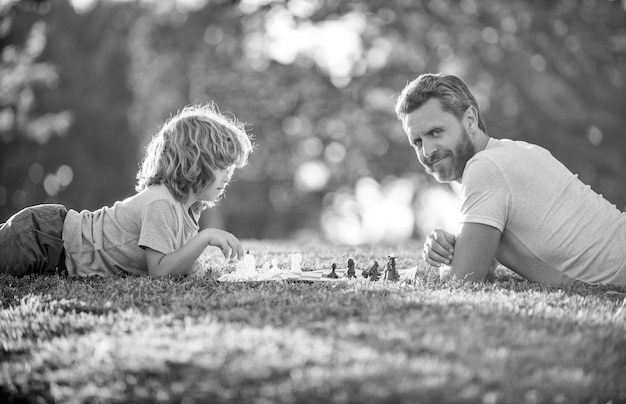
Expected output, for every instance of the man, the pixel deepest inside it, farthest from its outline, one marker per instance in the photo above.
(520, 205)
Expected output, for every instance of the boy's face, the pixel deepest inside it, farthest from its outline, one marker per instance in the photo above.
(214, 190)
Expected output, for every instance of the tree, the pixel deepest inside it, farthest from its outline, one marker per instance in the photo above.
(22, 77)
(552, 74)
(84, 156)
(316, 82)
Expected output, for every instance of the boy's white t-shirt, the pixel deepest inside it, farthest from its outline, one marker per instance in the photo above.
(549, 219)
(111, 240)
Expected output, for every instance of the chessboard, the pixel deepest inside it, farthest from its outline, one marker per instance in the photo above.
(321, 275)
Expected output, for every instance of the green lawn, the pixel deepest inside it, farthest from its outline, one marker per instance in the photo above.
(198, 340)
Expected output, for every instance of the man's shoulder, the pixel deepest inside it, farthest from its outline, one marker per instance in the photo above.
(501, 158)
(490, 158)
(507, 153)
(497, 147)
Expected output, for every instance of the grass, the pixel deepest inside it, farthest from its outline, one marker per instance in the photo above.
(197, 340)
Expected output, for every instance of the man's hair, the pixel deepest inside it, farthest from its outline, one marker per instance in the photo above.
(450, 90)
(189, 147)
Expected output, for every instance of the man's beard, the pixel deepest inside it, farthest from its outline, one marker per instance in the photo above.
(463, 151)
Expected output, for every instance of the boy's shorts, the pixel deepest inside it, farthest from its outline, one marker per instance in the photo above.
(31, 241)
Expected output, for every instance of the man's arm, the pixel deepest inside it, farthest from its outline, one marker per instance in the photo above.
(474, 252)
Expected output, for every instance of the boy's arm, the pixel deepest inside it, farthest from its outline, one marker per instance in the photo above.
(180, 262)
(475, 249)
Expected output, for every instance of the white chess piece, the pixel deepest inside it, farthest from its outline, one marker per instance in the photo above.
(270, 270)
(246, 268)
(240, 270)
(266, 266)
(249, 264)
(296, 262)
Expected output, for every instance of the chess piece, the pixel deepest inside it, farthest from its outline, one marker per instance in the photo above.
(296, 262)
(374, 273)
(333, 274)
(390, 271)
(366, 272)
(351, 273)
(246, 268)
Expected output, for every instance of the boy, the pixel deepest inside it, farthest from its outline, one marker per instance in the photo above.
(186, 167)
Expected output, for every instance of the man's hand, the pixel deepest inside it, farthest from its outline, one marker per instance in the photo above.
(439, 248)
(225, 241)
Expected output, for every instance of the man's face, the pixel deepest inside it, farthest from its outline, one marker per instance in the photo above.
(441, 142)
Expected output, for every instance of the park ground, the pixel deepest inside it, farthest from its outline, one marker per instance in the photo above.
(347, 341)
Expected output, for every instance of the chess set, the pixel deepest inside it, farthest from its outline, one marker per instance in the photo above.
(247, 270)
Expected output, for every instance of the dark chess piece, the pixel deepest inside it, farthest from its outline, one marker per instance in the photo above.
(351, 273)
(374, 273)
(390, 271)
(333, 274)
(366, 272)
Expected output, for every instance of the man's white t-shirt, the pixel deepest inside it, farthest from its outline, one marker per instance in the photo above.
(550, 220)
(112, 240)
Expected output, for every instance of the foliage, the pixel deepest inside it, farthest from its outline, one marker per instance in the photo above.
(571, 103)
(22, 75)
(74, 157)
(551, 73)
(145, 340)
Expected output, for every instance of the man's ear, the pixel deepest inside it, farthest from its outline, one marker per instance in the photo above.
(470, 119)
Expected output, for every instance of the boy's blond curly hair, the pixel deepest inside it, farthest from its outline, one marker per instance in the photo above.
(189, 147)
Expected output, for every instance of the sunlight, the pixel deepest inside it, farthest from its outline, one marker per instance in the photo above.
(334, 45)
(373, 214)
(83, 6)
(335, 152)
(388, 213)
(53, 183)
(312, 176)
(303, 8)
(250, 6)
(439, 208)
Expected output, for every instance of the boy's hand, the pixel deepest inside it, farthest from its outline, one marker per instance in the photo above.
(439, 248)
(227, 242)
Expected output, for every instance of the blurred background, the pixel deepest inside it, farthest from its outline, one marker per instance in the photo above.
(84, 84)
